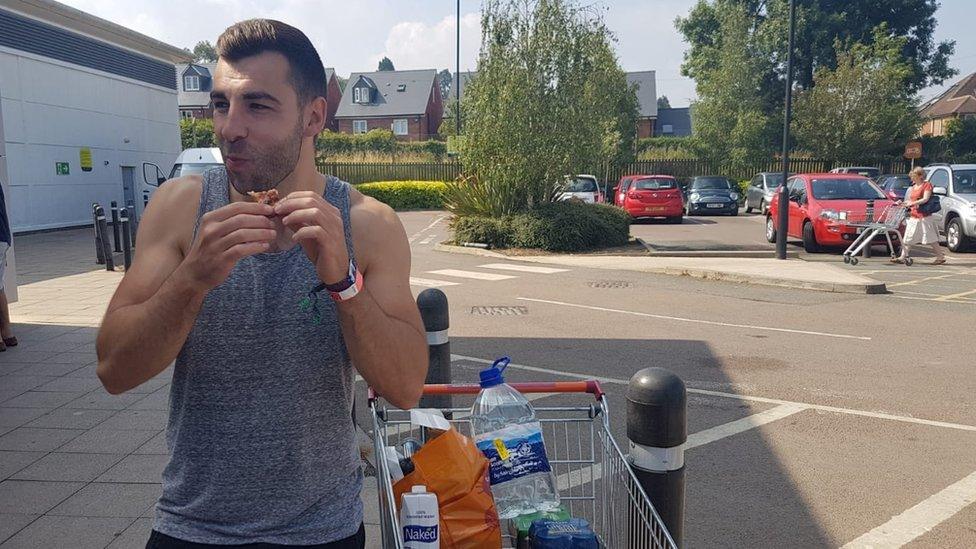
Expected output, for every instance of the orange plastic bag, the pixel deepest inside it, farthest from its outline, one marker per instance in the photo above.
(452, 467)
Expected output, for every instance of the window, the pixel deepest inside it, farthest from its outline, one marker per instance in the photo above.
(191, 83)
(355, 95)
(361, 95)
(400, 127)
(186, 115)
(358, 126)
(939, 178)
(667, 128)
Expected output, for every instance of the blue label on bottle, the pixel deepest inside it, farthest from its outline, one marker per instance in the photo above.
(514, 452)
(419, 533)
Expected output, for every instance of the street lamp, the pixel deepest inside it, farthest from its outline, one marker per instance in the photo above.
(784, 203)
(457, 74)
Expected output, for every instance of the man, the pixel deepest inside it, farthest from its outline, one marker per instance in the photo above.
(7, 338)
(265, 308)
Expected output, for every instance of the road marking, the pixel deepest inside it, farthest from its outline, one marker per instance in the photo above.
(916, 281)
(471, 274)
(963, 301)
(820, 407)
(427, 240)
(698, 321)
(426, 282)
(417, 234)
(522, 268)
(741, 425)
(956, 296)
(921, 518)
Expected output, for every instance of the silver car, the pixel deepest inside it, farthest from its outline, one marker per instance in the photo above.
(956, 186)
(761, 189)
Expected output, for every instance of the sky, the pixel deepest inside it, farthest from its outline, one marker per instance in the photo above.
(353, 35)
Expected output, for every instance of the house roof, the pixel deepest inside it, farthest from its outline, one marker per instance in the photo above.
(388, 101)
(329, 73)
(96, 27)
(679, 119)
(958, 99)
(646, 92)
(188, 99)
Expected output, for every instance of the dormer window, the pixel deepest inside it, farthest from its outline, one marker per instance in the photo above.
(191, 83)
(362, 95)
(355, 96)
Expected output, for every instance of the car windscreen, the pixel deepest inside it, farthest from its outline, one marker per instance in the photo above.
(964, 181)
(774, 180)
(581, 185)
(866, 172)
(705, 183)
(180, 170)
(655, 184)
(845, 189)
(898, 183)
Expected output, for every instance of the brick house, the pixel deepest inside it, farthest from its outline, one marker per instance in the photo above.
(647, 101)
(959, 101)
(195, 82)
(407, 102)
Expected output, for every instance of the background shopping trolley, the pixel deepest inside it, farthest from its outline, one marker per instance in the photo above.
(594, 479)
(888, 222)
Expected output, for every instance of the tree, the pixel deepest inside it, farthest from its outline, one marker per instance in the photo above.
(445, 81)
(663, 103)
(385, 65)
(550, 100)
(204, 52)
(960, 136)
(196, 133)
(861, 108)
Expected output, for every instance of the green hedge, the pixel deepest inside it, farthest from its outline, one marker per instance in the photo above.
(376, 141)
(568, 226)
(407, 195)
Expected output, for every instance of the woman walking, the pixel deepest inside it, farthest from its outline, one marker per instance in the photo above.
(920, 227)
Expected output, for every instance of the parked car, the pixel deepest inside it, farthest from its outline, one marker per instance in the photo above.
(584, 187)
(654, 196)
(867, 171)
(761, 189)
(712, 194)
(823, 206)
(894, 185)
(620, 191)
(956, 186)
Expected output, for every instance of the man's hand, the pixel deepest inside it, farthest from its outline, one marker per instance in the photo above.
(226, 236)
(318, 227)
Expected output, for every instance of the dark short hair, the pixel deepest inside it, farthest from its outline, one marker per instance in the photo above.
(256, 36)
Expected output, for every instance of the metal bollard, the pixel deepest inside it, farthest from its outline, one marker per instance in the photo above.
(115, 227)
(656, 431)
(869, 217)
(433, 308)
(126, 242)
(133, 222)
(103, 235)
(99, 252)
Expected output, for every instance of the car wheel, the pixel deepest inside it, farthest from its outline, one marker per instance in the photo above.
(956, 239)
(676, 220)
(770, 229)
(735, 211)
(762, 206)
(810, 239)
(748, 207)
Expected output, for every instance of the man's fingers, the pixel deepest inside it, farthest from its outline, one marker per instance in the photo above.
(240, 251)
(311, 232)
(241, 236)
(308, 216)
(237, 208)
(302, 202)
(215, 230)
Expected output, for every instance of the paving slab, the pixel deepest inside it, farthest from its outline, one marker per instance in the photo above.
(41, 399)
(135, 536)
(101, 400)
(68, 467)
(11, 462)
(29, 439)
(15, 417)
(137, 419)
(73, 532)
(156, 445)
(11, 523)
(70, 418)
(144, 468)
(109, 500)
(34, 497)
(105, 441)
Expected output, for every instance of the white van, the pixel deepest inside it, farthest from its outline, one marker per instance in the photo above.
(190, 161)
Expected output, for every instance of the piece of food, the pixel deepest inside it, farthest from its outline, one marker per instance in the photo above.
(269, 197)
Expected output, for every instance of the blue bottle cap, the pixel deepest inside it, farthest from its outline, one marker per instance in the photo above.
(493, 376)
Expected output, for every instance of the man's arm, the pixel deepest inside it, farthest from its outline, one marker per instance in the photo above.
(382, 326)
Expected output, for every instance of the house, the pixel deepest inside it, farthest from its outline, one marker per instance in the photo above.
(673, 122)
(195, 82)
(407, 102)
(83, 103)
(647, 101)
(461, 84)
(959, 101)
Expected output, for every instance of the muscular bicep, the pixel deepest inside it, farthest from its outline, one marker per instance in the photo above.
(387, 273)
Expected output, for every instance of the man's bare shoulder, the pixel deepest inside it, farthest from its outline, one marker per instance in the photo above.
(173, 209)
(376, 228)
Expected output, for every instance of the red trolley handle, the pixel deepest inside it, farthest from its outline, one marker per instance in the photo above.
(590, 386)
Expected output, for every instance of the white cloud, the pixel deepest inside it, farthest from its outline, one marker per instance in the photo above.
(416, 45)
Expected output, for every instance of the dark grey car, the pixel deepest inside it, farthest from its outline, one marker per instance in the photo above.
(711, 194)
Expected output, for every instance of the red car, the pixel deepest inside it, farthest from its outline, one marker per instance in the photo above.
(654, 196)
(824, 205)
(620, 191)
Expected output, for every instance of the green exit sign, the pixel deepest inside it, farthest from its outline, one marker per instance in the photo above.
(62, 168)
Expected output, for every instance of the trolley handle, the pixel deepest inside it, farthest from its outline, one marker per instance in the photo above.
(590, 386)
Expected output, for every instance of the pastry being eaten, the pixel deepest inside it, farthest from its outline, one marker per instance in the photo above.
(269, 197)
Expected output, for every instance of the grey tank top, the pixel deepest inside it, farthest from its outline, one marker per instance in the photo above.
(263, 447)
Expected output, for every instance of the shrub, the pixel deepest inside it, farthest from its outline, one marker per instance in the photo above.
(376, 143)
(558, 227)
(407, 195)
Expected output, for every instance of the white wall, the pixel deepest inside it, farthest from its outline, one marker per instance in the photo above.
(51, 110)
(10, 273)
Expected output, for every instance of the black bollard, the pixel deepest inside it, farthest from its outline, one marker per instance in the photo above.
(99, 252)
(657, 430)
(433, 309)
(103, 236)
(115, 227)
(869, 217)
(126, 242)
(133, 222)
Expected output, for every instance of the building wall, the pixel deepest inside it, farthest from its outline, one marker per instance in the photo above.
(645, 128)
(10, 273)
(123, 121)
(196, 113)
(936, 127)
(417, 126)
(333, 97)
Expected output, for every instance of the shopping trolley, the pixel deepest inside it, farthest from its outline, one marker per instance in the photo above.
(888, 222)
(594, 479)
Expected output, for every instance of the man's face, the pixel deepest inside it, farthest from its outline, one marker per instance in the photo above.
(257, 120)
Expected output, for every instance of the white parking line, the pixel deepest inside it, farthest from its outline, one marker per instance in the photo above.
(821, 407)
(471, 274)
(741, 425)
(698, 321)
(417, 234)
(921, 518)
(426, 282)
(522, 268)
(427, 240)
(962, 295)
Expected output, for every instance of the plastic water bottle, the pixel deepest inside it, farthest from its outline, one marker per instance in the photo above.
(419, 518)
(507, 432)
